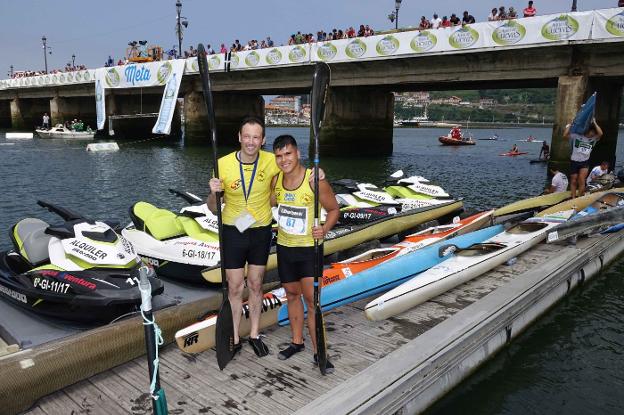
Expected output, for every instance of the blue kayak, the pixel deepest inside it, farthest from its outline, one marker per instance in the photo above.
(583, 119)
(391, 273)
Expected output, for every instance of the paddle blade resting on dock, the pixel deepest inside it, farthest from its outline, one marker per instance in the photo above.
(583, 119)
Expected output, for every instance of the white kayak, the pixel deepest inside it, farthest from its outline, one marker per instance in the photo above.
(462, 266)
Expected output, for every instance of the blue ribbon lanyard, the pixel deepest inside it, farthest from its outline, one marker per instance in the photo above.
(242, 176)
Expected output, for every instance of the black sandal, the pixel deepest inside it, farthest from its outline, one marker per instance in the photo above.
(259, 347)
(290, 350)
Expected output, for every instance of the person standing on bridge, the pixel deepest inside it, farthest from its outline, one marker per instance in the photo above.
(582, 145)
(294, 197)
(529, 11)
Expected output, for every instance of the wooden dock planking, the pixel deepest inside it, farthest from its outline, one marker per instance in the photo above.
(92, 399)
(136, 373)
(250, 385)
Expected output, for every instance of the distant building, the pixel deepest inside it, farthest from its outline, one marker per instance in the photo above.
(487, 102)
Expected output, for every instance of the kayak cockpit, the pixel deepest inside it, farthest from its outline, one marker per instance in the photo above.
(485, 248)
(527, 227)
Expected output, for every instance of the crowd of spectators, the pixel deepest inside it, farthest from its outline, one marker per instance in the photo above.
(497, 14)
(68, 68)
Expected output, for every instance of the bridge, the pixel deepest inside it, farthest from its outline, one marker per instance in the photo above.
(577, 53)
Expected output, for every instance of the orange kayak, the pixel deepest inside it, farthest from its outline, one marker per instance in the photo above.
(368, 259)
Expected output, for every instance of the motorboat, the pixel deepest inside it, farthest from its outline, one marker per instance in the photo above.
(60, 131)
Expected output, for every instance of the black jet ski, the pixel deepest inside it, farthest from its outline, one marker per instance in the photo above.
(365, 202)
(81, 270)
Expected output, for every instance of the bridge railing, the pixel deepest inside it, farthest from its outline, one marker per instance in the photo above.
(554, 29)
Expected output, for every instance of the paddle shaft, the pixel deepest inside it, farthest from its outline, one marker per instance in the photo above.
(320, 84)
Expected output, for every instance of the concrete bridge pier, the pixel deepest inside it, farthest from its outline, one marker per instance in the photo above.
(358, 121)
(571, 92)
(608, 103)
(230, 109)
(17, 120)
(26, 113)
(5, 114)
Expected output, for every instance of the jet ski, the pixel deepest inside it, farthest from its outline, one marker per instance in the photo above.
(178, 245)
(366, 202)
(80, 270)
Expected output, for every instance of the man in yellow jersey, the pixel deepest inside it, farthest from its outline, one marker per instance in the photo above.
(246, 182)
(294, 195)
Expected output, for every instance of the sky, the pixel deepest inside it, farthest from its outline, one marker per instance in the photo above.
(93, 30)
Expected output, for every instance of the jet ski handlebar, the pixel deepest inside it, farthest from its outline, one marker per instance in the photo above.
(189, 197)
(66, 214)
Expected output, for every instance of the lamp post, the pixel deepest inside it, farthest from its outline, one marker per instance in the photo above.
(73, 61)
(11, 71)
(573, 5)
(45, 52)
(397, 6)
(180, 21)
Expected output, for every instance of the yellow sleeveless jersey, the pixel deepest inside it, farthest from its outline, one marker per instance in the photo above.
(259, 196)
(295, 213)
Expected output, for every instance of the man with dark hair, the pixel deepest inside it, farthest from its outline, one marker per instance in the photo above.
(468, 18)
(529, 11)
(294, 197)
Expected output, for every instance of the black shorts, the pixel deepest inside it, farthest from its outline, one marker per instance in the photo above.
(295, 263)
(251, 247)
(576, 166)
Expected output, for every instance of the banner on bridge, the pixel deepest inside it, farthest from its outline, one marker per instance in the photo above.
(608, 24)
(141, 75)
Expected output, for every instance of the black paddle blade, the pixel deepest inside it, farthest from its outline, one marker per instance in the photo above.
(321, 346)
(202, 62)
(224, 334)
(320, 86)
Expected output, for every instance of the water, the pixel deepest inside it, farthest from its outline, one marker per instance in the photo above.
(569, 362)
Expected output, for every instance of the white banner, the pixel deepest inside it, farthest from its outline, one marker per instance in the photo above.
(170, 96)
(608, 24)
(139, 76)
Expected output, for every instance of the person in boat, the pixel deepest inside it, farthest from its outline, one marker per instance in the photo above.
(597, 172)
(245, 180)
(456, 133)
(544, 152)
(45, 121)
(514, 149)
(559, 182)
(530, 138)
(582, 145)
(293, 194)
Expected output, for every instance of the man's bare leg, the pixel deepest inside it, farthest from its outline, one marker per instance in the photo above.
(235, 278)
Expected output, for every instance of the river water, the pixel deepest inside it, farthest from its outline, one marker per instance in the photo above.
(570, 361)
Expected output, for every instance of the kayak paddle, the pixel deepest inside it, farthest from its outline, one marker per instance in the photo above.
(224, 330)
(320, 85)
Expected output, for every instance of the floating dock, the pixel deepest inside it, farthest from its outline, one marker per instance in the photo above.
(402, 365)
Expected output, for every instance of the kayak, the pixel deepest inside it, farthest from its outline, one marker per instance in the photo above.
(531, 141)
(460, 267)
(411, 243)
(538, 161)
(532, 203)
(390, 274)
(583, 118)
(467, 264)
(448, 141)
(577, 204)
(344, 237)
(510, 154)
